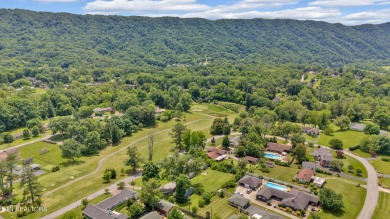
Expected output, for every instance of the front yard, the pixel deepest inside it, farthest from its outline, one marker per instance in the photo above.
(382, 210)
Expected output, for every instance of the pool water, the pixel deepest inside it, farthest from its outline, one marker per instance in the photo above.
(276, 186)
(272, 156)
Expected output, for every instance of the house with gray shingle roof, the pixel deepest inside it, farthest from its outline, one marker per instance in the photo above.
(152, 215)
(238, 201)
(118, 199)
(164, 207)
(250, 182)
(95, 212)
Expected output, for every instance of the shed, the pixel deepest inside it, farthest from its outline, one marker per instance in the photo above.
(35, 166)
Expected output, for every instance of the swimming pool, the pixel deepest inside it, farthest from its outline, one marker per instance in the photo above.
(276, 186)
(272, 156)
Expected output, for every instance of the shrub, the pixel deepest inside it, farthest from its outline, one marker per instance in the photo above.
(359, 172)
(206, 198)
(354, 148)
(386, 159)
(201, 203)
(194, 209)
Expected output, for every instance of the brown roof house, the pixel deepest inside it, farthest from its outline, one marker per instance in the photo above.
(305, 175)
(295, 199)
(279, 148)
(216, 154)
(4, 154)
(250, 182)
(238, 201)
(251, 160)
(310, 130)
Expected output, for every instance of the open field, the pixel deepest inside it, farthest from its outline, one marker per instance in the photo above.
(353, 198)
(213, 180)
(349, 138)
(382, 210)
(381, 166)
(201, 120)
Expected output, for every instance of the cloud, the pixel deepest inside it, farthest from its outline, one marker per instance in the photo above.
(307, 13)
(55, 1)
(371, 17)
(145, 5)
(345, 3)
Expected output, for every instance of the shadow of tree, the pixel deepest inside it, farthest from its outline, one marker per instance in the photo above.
(72, 163)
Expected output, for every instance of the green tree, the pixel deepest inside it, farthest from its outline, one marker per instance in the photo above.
(342, 122)
(71, 149)
(134, 158)
(136, 209)
(336, 143)
(300, 152)
(330, 200)
(371, 129)
(85, 112)
(26, 134)
(35, 131)
(382, 118)
(297, 139)
(11, 161)
(7, 137)
(198, 140)
(226, 142)
(336, 165)
(182, 184)
(226, 129)
(177, 135)
(175, 214)
(150, 193)
(150, 170)
(217, 127)
(32, 189)
(92, 143)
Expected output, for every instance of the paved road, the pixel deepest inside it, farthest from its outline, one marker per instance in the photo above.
(77, 203)
(29, 142)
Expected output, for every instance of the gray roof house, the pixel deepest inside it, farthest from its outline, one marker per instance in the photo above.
(311, 165)
(323, 156)
(94, 212)
(295, 199)
(152, 215)
(168, 188)
(238, 201)
(164, 207)
(118, 199)
(250, 182)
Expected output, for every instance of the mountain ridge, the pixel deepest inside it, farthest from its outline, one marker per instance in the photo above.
(35, 39)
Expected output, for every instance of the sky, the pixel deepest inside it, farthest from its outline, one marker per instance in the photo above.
(348, 12)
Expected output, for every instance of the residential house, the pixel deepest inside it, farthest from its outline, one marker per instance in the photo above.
(164, 207)
(235, 141)
(250, 182)
(152, 215)
(4, 154)
(310, 130)
(238, 201)
(251, 160)
(35, 166)
(104, 110)
(319, 182)
(295, 199)
(118, 199)
(305, 175)
(95, 212)
(168, 188)
(311, 165)
(103, 210)
(279, 148)
(159, 110)
(216, 154)
(323, 156)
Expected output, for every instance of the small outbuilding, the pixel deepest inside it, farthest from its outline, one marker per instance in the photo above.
(35, 166)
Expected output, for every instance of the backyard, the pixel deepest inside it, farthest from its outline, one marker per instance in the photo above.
(382, 210)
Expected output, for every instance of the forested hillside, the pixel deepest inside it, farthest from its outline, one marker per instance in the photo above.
(72, 41)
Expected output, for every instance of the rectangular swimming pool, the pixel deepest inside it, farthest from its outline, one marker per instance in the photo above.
(276, 186)
(272, 155)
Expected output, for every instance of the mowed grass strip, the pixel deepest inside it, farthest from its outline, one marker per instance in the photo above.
(381, 166)
(219, 206)
(382, 210)
(349, 138)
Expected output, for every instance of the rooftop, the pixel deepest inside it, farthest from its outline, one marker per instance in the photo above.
(164, 205)
(250, 180)
(92, 211)
(239, 200)
(305, 174)
(121, 197)
(278, 147)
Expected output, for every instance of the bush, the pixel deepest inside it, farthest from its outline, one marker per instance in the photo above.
(55, 169)
(201, 203)
(359, 172)
(386, 159)
(229, 184)
(194, 209)
(354, 148)
(323, 171)
(206, 198)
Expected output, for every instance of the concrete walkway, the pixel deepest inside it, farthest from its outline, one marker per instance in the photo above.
(77, 203)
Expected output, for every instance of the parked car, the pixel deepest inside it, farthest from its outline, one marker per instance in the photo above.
(248, 191)
(239, 193)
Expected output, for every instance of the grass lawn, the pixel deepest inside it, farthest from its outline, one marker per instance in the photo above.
(218, 206)
(382, 210)
(381, 166)
(19, 141)
(285, 174)
(385, 182)
(349, 138)
(351, 161)
(353, 198)
(213, 180)
(201, 121)
(360, 153)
